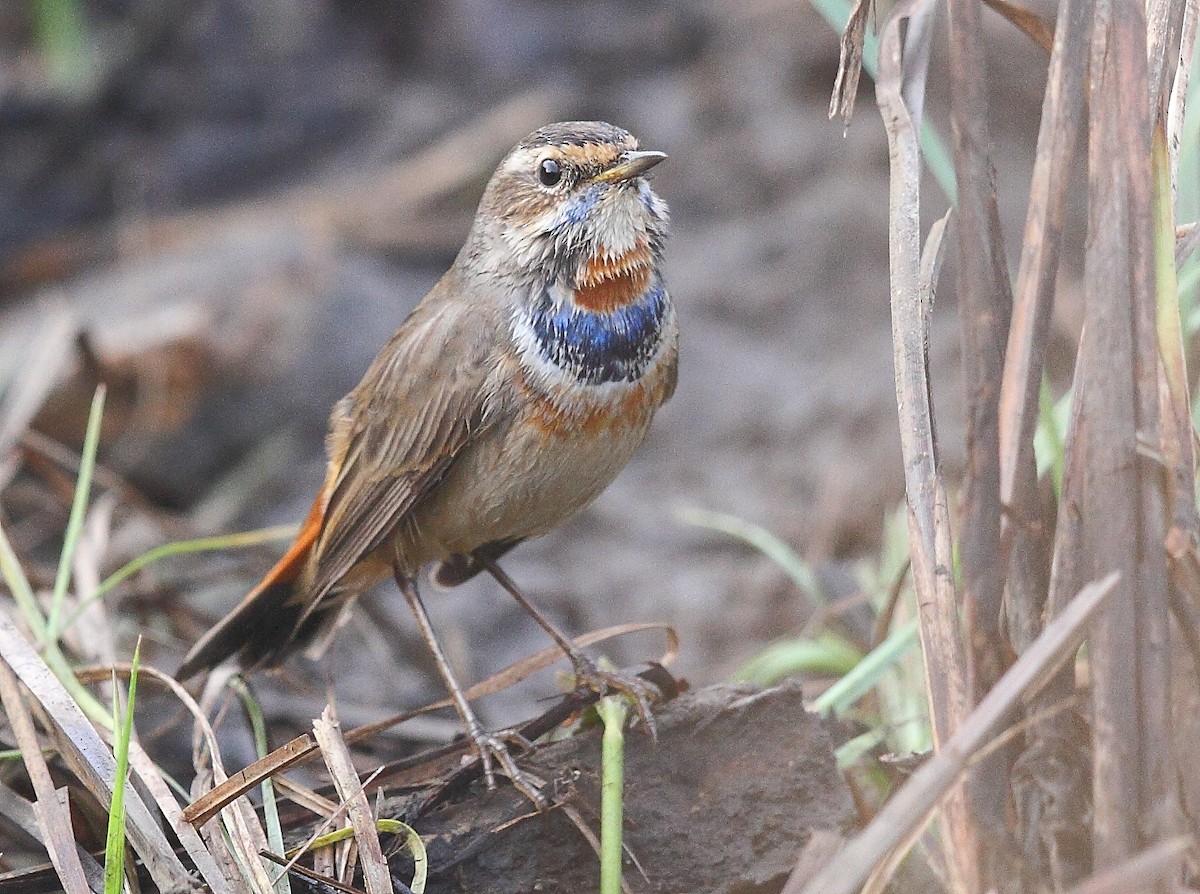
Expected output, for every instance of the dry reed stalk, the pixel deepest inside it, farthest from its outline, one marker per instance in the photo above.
(910, 806)
(349, 787)
(1028, 527)
(1156, 866)
(928, 510)
(1122, 499)
(985, 301)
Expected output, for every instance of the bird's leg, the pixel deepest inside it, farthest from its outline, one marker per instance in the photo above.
(486, 744)
(587, 672)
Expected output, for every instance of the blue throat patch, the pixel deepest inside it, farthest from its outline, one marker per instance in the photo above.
(601, 347)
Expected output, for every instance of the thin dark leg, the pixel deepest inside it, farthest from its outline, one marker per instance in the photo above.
(586, 670)
(564, 641)
(487, 745)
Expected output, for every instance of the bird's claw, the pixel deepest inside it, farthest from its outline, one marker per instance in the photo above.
(492, 749)
(606, 682)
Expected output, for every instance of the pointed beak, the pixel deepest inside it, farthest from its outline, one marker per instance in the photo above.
(629, 165)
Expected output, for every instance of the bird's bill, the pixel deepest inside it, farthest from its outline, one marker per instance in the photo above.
(629, 165)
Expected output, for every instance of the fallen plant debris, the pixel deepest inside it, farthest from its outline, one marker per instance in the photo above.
(215, 232)
(712, 748)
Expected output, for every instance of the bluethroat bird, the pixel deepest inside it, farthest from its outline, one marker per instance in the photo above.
(509, 399)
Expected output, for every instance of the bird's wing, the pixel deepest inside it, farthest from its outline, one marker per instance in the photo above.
(392, 439)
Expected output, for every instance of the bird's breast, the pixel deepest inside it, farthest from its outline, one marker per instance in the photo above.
(607, 329)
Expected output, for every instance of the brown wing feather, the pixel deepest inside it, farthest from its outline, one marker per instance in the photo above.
(393, 438)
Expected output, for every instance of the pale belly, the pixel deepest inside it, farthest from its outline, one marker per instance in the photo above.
(517, 483)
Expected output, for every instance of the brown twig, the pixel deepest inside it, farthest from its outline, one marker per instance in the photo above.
(309, 874)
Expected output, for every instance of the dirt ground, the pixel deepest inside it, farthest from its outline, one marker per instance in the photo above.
(153, 204)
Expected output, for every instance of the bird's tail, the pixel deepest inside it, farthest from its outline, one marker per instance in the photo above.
(264, 625)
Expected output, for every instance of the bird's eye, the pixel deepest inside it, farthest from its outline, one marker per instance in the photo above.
(549, 172)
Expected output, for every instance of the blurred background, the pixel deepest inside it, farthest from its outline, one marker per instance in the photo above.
(222, 208)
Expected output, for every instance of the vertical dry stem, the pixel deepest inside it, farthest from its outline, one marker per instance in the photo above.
(985, 301)
(928, 512)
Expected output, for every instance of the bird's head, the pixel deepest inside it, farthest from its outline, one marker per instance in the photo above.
(570, 204)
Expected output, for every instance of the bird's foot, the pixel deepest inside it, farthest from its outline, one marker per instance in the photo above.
(606, 681)
(492, 749)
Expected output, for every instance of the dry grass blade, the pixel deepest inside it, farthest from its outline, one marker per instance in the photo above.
(1179, 88)
(929, 521)
(53, 815)
(1123, 492)
(1163, 24)
(18, 812)
(242, 829)
(1037, 28)
(1158, 865)
(349, 787)
(845, 85)
(88, 757)
(985, 299)
(150, 776)
(319, 878)
(305, 797)
(304, 747)
(1156, 766)
(1062, 119)
(908, 807)
(207, 860)
(885, 870)
(929, 534)
(206, 807)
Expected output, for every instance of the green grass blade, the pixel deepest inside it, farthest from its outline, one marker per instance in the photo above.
(83, 486)
(828, 655)
(612, 710)
(414, 843)
(283, 883)
(114, 848)
(854, 750)
(764, 541)
(1049, 444)
(854, 685)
